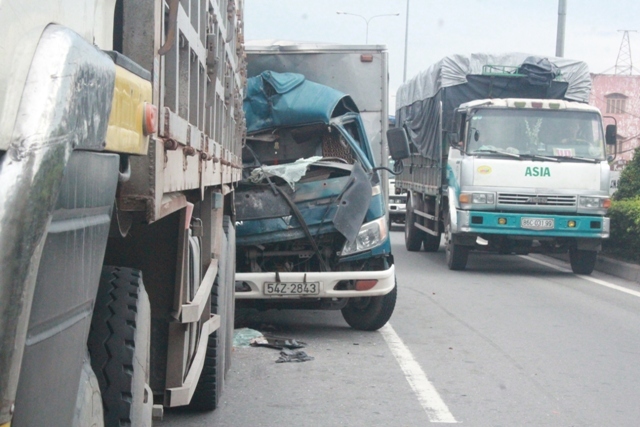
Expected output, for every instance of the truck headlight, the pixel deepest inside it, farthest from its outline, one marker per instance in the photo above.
(483, 198)
(477, 198)
(370, 235)
(595, 202)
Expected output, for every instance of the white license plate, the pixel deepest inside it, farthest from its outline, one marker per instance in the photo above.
(537, 223)
(292, 288)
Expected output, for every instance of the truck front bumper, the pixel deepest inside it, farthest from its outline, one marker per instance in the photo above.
(397, 207)
(327, 283)
(504, 223)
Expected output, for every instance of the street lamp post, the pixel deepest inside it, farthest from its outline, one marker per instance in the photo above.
(366, 21)
(406, 43)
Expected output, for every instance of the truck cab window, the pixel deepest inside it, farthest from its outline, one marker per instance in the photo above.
(354, 132)
(536, 132)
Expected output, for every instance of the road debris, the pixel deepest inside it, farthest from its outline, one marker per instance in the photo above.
(242, 337)
(277, 342)
(287, 355)
(245, 337)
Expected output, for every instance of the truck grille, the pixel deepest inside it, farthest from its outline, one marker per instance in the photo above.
(536, 199)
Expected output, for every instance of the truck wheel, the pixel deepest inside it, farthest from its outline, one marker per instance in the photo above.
(456, 255)
(431, 243)
(370, 313)
(207, 394)
(582, 261)
(118, 344)
(209, 389)
(412, 235)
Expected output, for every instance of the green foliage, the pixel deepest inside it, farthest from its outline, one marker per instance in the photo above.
(624, 240)
(629, 183)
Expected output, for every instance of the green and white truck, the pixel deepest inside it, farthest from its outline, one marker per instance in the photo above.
(504, 155)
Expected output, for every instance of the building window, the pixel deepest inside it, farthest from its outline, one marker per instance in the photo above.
(616, 103)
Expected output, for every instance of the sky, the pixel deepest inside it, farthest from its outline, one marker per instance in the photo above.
(438, 28)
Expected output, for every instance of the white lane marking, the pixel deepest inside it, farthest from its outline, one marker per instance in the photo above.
(428, 396)
(590, 279)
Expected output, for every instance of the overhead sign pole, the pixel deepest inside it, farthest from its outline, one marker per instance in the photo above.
(562, 17)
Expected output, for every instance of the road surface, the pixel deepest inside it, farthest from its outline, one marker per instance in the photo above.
(511, 341)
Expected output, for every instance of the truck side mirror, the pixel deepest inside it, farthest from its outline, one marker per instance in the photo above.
(453, 139)
(611, 135)
(398, 143)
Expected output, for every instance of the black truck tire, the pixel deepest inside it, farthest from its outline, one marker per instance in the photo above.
(431, 243)
(207, 394)
(412, 235)
(370, 313)
(582, 261)
(209, 389)
(456, 255)
(118, 344)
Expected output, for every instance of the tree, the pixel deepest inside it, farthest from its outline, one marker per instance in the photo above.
(629, 183)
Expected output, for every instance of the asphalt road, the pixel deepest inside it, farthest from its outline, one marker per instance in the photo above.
(511, 341)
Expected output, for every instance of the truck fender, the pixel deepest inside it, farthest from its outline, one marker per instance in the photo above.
(452, 209)
(65, 105)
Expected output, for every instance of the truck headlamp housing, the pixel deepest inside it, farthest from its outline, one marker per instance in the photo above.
(489, 198)
(477, 198)
(595, 202)
(371, 234)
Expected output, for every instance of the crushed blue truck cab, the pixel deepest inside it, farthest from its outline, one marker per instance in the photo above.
(310, 210)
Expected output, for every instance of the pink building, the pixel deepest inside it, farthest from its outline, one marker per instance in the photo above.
(618, 96)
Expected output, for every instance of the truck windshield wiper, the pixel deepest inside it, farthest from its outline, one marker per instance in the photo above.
(490, 151)
(580, 159)
(539, 157)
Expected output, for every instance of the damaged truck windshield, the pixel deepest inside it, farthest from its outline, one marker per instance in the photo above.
(311, 228)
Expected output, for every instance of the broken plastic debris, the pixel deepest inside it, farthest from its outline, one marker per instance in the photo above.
(242, 337)
(290, 172)
(287, 355)
(277, 343)
(258, 341)
(246, 337)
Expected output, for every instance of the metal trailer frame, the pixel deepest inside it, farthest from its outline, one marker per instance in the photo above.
(191, 169)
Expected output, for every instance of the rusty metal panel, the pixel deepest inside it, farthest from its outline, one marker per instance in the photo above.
(198, 77)
(199, 74)
(212, 168)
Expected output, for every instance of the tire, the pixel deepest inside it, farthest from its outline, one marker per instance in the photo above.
(413, 236)
(431, 243)
(582, 261)
(118, 344)
(456, 255)
(370, 313)
(209, 389)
